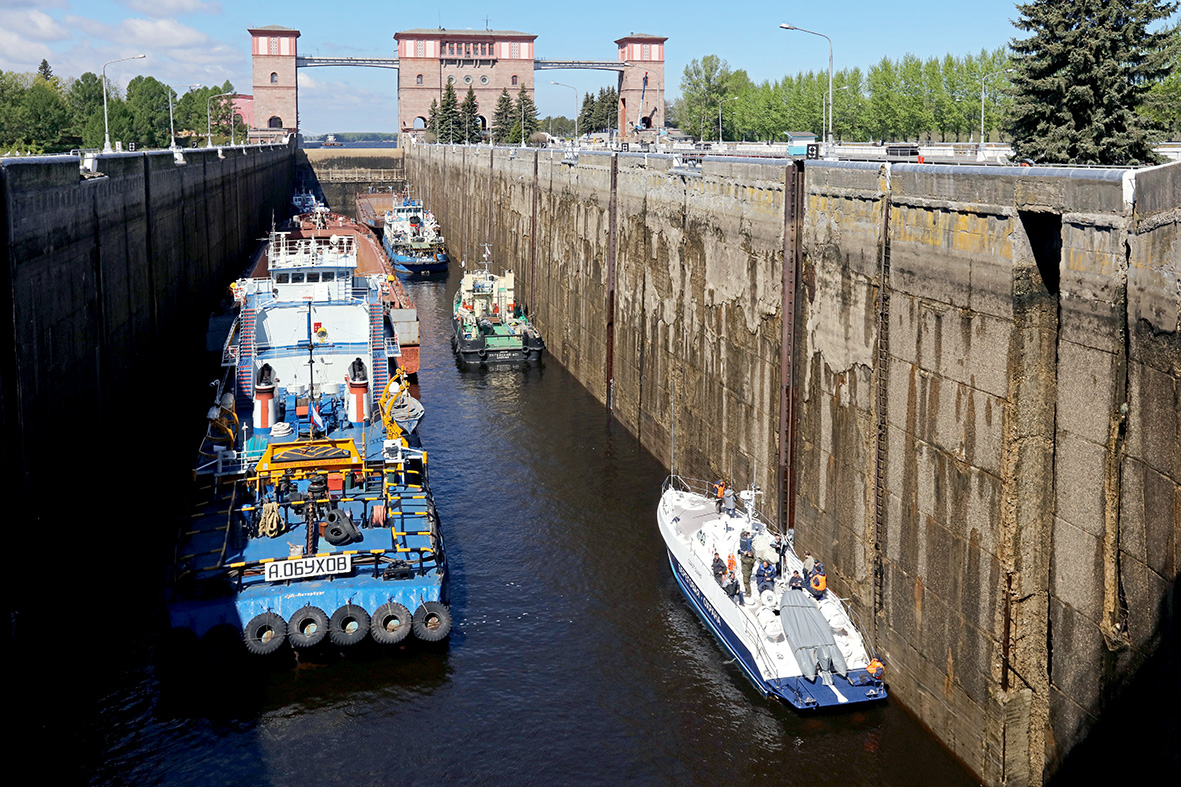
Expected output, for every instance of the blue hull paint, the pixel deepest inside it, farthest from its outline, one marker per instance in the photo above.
(801, 693)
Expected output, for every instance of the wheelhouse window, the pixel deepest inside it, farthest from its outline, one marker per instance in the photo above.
(327, 276)
(282, 278)
(297, 278)
(313, 277)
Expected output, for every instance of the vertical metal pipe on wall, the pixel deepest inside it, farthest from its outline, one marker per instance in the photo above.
(793, 225)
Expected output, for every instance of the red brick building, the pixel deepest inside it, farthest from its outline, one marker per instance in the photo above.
(276, 99)
(488, 61)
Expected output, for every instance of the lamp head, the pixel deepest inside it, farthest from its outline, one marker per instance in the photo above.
(786, 26)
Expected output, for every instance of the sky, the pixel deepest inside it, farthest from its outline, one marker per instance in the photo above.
(205, 41)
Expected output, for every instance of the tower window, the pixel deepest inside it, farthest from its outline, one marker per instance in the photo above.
(514, 80)
(274, 78)
(646, 52)
(418, 79)
(274, 45)
(419, 48)
(514, 50)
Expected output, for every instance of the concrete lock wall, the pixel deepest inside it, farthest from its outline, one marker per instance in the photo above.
(987, 447)
(99, 274)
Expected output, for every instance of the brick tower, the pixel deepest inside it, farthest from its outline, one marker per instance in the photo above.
(641, 87)
(488, 61)
(276, 104)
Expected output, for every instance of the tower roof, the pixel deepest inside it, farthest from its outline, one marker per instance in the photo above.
(273, 29)
(641, 37)
(451, 33)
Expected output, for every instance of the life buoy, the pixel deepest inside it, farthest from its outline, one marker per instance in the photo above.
(818, 583)
(432, 622)
(264, 633)
(307, 627)
(876, 669)
(348, 625)
(390, 623)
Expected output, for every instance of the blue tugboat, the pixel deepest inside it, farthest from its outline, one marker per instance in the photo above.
(316, 520)
(412, 239)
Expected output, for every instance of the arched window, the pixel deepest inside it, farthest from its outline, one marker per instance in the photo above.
(514, 80)
(275, 122)
(418, 79)
(274, 78)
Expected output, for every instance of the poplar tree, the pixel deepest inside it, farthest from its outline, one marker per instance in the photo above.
(1082, 76)
(469, 116)
(502, 117)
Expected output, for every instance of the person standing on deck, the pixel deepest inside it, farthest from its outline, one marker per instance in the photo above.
(719, 567)
(719, 492)
(748, 565)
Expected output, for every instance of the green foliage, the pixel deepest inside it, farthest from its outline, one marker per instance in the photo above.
(502, 118)
(147, 105)
(43, 115)
(448, 125)
(586, 115)
(526, 113)
(469, 117)
(1082, 76)
(1163, 102)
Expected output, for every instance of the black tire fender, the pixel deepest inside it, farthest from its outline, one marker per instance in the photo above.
(307, 627)
(339, 529)
(390, 623)
(348, 625)
(432, 621)
(264, 634)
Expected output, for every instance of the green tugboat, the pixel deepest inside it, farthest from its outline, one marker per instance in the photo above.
(489, 327)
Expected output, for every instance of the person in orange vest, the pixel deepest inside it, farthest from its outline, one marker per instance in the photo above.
(719, 493)
(875, 669)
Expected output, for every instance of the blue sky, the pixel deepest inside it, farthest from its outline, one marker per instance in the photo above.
(205, 41)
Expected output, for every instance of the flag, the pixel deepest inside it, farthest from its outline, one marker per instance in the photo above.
(318, 419)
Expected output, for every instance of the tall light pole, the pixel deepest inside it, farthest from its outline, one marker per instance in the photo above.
(984, 79)
(106, 125)
(786, 26)
(209, 118)
(832, 111)
(720, 102)
(559, 84)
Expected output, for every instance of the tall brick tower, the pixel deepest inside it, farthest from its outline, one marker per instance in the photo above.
(641, 87)
(488, 61)
(276, 104)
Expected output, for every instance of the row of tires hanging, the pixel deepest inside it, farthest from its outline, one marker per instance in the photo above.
(309, 626)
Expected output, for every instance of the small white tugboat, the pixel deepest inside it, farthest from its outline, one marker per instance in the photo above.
(489, 327)
(798, 645)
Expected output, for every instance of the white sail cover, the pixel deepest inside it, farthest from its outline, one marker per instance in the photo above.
(810, 635)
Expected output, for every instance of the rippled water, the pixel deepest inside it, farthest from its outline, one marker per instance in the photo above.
(574, 659)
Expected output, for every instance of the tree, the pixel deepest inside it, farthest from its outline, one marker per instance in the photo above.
(704, 84)
(432, 120)
(450, 125)
(469, 117)
(526, 113)
(43, 115)
(1163, 102)
(46, 73)
(147, 103)
(586, 115)
(1082, 76)
(502, 118)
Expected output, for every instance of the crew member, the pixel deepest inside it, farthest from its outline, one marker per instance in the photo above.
(719, 567)
(733, 589)
(796, 582)
(719, 493)
(765, 577)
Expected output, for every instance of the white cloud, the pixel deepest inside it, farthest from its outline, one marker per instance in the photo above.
(170, 8)
(305, 82)
(33, 24)
(165, 33)
(21, 54)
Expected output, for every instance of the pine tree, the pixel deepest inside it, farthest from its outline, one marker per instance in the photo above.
(1082, 76)
(450, 124)
(432, 119)
(586, 116)
(502, 118)
(526, 112)
(469, 116)
(44, 71)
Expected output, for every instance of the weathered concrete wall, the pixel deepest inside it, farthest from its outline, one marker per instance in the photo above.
(98, 276)
(338, 175)
(988, 366)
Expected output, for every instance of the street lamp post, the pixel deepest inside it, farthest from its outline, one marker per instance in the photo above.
(559, 84)
(209, 119)
(106, 125)
(984, 79)
(786, 26)
(720, 102)
(832, 111)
